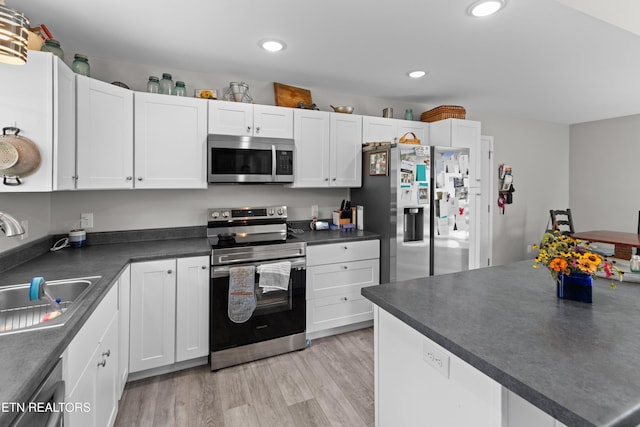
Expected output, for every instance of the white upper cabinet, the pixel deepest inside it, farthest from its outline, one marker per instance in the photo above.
(64, 119)
(460, 133)
(381, 129)
(170, 141)
(346, 149)
(328, 149)
(104, 135)
(238, 118)
(311, 131)
(38, 99)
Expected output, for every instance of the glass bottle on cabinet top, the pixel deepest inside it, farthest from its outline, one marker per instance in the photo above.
(180, 89)
(166, 84)
(80, 65)
(53, 46)
(153, 85)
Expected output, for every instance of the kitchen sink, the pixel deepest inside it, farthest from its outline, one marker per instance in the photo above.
(19, 314)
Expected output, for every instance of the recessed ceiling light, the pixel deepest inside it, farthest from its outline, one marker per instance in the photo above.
(486, 7)
(272, 45)
(417, 74)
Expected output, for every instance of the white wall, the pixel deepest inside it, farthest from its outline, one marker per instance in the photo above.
(603, 174)
(538, 152)
(32, 207)
(141, 209)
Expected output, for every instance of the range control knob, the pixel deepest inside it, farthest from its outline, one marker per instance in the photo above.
(270, 212)
(280, 211)
(225, 214)
(215, 214)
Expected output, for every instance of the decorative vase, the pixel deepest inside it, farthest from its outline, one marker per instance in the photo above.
(575, 286)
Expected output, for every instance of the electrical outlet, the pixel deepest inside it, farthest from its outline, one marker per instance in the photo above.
(86, 220)
(25, 226)
(436, 358)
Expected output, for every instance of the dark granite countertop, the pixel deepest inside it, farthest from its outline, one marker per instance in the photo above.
(577, 362)
(25, 358)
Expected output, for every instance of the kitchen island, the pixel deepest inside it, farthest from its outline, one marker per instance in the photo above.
(496, 346)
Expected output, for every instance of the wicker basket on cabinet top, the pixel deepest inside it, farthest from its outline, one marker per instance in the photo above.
(443, 112)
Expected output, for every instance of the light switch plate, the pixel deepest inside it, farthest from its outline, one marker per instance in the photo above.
(435, 357)
(86, 220)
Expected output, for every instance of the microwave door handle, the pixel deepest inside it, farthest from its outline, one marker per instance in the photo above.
(273, 162)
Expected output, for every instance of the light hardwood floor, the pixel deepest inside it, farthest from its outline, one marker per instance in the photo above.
(328, 384)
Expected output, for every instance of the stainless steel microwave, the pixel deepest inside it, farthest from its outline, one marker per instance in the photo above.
(246, 159)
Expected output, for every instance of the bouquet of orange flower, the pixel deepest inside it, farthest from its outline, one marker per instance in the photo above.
(564, 254)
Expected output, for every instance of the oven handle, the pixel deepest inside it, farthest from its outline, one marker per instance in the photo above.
(273, 162)
(223, 271)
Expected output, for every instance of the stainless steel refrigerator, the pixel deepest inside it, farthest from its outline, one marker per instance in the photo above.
(416, 198)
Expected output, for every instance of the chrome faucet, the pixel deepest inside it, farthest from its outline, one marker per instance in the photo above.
(10, 225)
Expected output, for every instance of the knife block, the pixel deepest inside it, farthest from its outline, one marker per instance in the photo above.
(338, 220)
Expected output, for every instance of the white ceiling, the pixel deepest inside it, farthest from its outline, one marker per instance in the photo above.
(538, 59)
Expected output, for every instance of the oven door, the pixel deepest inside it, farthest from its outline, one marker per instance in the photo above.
(249, 159)
(277, 313)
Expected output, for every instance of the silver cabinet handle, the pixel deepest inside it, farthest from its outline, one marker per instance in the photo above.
(129, 178)
(344, 267)
(258, 129)
(326, 179)
(204, 267)
(333, 179)
(103, 363)
(344, 298)
(346, 247)
(169, 271)
(248, 129)
(139, 178)
(107, 353)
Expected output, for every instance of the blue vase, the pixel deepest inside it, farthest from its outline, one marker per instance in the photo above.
(575, 286)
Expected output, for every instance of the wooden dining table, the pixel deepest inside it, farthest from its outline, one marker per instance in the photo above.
(623, 242)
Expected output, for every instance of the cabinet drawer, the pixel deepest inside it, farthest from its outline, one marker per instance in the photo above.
(342, 252)
(332, 279)
(338, 310)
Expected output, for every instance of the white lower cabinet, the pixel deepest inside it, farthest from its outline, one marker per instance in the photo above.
(152, 324)
(124, 289)
(169, 312)
(90, 368)
(192, 308)
(335, 275)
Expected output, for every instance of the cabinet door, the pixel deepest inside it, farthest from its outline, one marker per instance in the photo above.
(192, 308)
(153, 309)
(106, 382)
(272, 122)
(420, 129)
(379, 129)
(170, 141)
(346, 150)
(124, 290)
(311, 135)
(64, 135)
(27, 103)
(230, 118)
(104, 135)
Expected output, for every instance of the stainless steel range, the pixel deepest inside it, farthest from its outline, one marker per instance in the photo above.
(258, 281)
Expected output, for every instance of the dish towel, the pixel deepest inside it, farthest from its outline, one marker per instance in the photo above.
(274, 277)
(242, 297)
